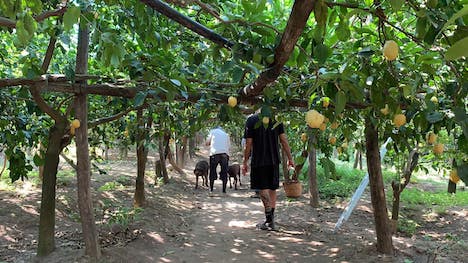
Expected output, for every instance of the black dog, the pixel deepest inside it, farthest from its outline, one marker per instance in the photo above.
(201, 169)
(234, 172)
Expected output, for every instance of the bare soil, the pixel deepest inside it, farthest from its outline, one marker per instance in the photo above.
(183, 224)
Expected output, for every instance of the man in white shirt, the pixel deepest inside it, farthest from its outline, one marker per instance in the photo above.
(219, 143)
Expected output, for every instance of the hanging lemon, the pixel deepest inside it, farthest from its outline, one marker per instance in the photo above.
(399, 120)
(266, 120)
(304, 137)
(75, 123)
(431, 138)
(332, 140)
(314, 119)
(334, 125)
(390, 50)
(438, 148)
(232, 101)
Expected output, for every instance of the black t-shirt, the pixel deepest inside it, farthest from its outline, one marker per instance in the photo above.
(265, 148)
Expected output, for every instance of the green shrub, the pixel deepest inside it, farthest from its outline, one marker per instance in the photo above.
(124, 216)
(110, 186)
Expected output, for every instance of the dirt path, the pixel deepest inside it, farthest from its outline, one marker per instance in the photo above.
(182, 224)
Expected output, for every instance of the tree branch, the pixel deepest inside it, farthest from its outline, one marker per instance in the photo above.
(111, 118)
(185, 21)
(6, 22)
(296, 23)
(42, 104)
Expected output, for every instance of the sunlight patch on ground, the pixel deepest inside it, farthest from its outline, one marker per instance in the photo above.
(290, 239)
(235, 205)
(156, 237)
(236, 251)
(266, 255)
(241, 224)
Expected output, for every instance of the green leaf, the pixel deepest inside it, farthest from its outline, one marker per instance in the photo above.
(434, 117)
(461, 13)
(139, 98)
(71, 17)
(321, 12)
(237, 74)
(458, 50)
(340, 102)
(176, 82)
(396, 4)
(321, 53)
(22, 33)
(38, 160)
(35, 5)
(342, 31)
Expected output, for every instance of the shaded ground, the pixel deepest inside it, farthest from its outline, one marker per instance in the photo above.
(181, 224)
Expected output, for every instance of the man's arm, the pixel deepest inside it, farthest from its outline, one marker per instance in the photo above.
(287, 149)
(247, 150)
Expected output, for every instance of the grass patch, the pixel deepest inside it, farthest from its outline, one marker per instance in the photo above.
(349, 180)
(421, 197)
(111, 186)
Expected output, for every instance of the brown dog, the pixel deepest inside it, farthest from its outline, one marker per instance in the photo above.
(201, 169)
(234, 172)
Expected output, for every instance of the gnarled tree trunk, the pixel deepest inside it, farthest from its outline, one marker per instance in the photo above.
(46, 241)
(139, 199)
(382, 226)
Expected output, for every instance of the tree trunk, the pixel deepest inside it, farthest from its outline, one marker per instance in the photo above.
(83, 170)
(452, 187)
(46, 242)
(181, 151)
(395, 206)
(192, 148)
(312, 173)
(162, 159)
(360, 160)
(356, 159)
(384, 236)
(142, 154)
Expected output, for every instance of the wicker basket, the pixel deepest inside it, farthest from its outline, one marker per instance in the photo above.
(292, 189)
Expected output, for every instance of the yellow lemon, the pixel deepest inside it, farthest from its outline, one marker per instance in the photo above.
(266, 120)
(323, 126)
(334, 125)
(390, 50)
(314, 119)
(344, 145)
(454, 176)
(304, 137)
(438, 148)
(431, 138)
(126, 133)
(75, 123)
(325, 102)
(399, 120)
(232, 101)
(339, 150)
(434, 99)
(332, 140)
(385, 110)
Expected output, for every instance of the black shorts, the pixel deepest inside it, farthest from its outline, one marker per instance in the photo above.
(265, 177)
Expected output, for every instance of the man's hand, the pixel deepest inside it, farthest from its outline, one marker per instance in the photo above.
(245, 167)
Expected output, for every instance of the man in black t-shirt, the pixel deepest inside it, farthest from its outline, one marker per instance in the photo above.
(262, 142)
